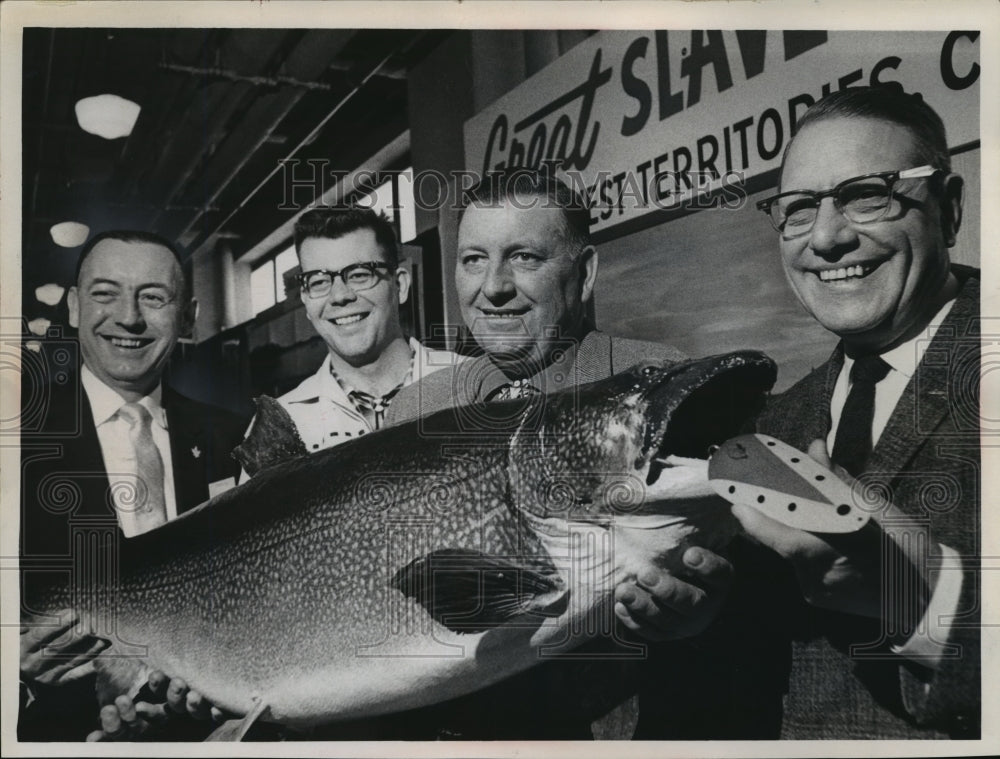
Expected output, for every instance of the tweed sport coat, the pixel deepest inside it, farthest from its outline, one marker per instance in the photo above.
(598, 356)
(928, 459)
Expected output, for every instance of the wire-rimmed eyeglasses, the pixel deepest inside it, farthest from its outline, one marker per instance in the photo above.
(862, 200)
(317, 283)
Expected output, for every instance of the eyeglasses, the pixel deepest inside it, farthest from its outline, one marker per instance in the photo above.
(862, 200)
(357, 277)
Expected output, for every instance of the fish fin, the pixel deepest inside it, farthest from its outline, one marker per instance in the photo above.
(234, 730)
(273, 438)
(118, 675)
(471, 592)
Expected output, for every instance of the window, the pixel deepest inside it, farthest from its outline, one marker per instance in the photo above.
(394, 198)
(262, 293)
(267, 280)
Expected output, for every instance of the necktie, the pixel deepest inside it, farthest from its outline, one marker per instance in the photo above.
(853, 445)
(519, 388)
(150, 507)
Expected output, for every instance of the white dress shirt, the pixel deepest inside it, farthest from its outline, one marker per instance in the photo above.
(116, 446)
(927, 644)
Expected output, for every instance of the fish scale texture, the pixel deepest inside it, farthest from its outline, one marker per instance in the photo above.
(282, 588)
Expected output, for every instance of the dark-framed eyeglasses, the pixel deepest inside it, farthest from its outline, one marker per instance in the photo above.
(364, 275)
(862, 200)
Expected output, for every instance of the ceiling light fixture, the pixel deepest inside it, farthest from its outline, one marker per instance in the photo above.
(69, 234)
(107, 116)
(50, 294)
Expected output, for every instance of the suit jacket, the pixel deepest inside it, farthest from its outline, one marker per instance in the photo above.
(928, 460)
(65, 496)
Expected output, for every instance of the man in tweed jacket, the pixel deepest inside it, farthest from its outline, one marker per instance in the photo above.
(868, 258)
(525, 274)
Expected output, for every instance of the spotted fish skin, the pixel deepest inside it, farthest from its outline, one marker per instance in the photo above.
(321, 587)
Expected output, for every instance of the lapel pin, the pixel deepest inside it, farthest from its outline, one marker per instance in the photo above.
(196, 451)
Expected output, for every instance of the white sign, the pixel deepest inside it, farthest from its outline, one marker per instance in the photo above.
(667, 121)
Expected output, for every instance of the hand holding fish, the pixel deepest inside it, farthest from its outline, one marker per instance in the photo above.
(52, 656)
(846, 572)
(662, 606)
(171, 705)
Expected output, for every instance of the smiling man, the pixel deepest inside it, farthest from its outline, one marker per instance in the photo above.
(887, 644)
(525, 273)
(117, 447)
(352, 288)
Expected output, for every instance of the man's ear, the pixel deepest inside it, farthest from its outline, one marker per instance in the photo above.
(588, 272)
(188, 317)
(403, 284)
(73, 304)
(952, 195)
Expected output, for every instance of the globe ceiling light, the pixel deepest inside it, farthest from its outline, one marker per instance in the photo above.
(69, 234)
(50, 294)
(39, 326)
(107, 116)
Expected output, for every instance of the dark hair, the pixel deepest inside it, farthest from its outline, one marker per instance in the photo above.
(132, 235)
(501, 186)
(333, 223)
(887, 103)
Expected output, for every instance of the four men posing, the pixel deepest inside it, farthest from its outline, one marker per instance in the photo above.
(866, 212)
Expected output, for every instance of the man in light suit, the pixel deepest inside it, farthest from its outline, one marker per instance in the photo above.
(897, 406)
(116, 450)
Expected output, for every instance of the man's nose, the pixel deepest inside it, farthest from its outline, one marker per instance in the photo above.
(831, 231)
(340, 293)
(129, 314)
(498, 284)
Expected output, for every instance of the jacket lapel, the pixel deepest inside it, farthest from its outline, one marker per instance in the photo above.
(817, 419)
(84, 451)
(189, 449)
(925, 404)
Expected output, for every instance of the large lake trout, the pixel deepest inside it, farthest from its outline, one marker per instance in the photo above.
(428, 560)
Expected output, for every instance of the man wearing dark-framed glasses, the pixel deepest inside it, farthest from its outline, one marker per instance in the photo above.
(352, 288)
(886, 643)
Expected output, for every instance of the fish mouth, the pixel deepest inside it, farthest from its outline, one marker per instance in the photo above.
(702, 404)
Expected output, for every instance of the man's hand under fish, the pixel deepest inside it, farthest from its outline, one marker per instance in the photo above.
(659, 604)
(843, 572)
(171, 703)
(846, 572)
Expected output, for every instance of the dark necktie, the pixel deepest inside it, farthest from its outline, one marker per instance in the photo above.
(853, 445)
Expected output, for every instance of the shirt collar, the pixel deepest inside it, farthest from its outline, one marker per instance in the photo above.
(351, 391)
(588, 355)
(105, 401)
(322, 384)
(905, 357)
